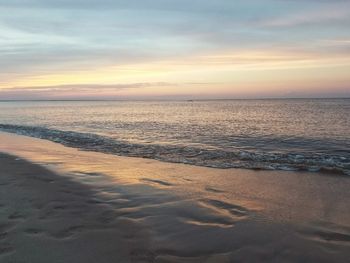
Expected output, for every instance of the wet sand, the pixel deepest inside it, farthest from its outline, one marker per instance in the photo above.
(58, 204)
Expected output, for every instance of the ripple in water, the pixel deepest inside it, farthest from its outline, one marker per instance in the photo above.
(312, 135)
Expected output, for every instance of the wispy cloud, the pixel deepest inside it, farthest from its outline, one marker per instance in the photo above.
(62, 42)
(316, 16)
(75, 91)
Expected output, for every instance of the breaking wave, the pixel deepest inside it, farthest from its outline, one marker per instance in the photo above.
(265, 160)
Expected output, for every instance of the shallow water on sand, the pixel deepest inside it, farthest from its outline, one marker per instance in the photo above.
(188, 213)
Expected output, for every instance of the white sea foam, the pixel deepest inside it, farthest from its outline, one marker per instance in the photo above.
(189, 155)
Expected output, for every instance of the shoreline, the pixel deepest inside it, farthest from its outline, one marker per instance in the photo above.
(190, 155)
(160, 212)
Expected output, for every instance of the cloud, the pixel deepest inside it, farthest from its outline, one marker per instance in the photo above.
(339, 13)
(45, 40)
(74, 91)
(178, 5)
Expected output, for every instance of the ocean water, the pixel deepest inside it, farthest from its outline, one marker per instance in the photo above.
(296, 134)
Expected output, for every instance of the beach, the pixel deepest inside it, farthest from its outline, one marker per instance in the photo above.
(59, 204)
(174, 131)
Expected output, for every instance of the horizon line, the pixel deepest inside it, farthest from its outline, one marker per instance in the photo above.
(189, 100)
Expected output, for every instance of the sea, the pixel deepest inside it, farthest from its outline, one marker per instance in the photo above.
(268, 134)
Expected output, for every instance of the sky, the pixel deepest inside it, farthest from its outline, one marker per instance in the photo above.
(181, 49)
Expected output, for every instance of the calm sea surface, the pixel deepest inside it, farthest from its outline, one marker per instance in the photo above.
(300, 134)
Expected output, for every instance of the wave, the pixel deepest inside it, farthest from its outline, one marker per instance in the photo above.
(292, 161)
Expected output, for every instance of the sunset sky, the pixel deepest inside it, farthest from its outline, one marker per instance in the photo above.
(136, 49)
